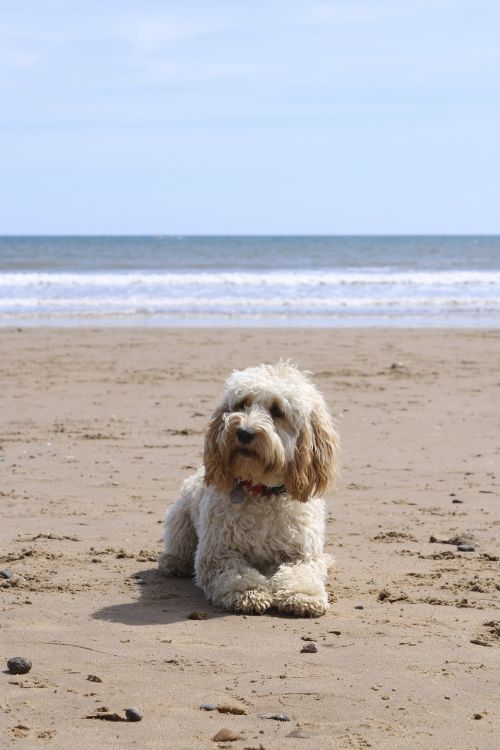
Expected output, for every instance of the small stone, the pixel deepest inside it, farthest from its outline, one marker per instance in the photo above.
(226, 735)
(456, 500)
(398, 366)
(307, 638)
(93, 678)
(197, 615)
(133, 714)
(6, 573)
(208, 706)
(478, 716)
(19, 665)
(358, 606)
(309, 648)
(465, 548)
(464, 538)
(276, 717)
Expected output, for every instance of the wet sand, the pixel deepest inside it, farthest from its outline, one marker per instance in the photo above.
(99, 427)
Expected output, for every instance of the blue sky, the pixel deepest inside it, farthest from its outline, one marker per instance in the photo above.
(250, 117)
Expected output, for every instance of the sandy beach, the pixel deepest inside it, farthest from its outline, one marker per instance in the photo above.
(98, 429)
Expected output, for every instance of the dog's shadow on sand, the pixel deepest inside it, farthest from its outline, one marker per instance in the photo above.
(164, 601)
(161, 601)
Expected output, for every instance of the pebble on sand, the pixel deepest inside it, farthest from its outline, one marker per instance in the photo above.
(309, 648)
(6, 573)
(464, 538)
(399, 366)
(133, 714)
(226, 735)
(465, 548)
(19, 665)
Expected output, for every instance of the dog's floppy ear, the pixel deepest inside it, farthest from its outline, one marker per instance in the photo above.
(316, 461)
(215, 465)
(325, 450)
(297, 474)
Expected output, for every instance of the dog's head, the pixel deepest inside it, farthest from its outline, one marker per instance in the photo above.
(272, 428)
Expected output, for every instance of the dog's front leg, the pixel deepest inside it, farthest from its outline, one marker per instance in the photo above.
(299, 587)
(229, 581)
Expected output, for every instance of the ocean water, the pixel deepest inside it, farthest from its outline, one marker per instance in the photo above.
(304, 281)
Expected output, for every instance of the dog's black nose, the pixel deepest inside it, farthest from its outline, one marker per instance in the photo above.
(244, 436)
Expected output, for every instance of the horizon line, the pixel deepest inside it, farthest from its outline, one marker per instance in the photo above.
(276, 235)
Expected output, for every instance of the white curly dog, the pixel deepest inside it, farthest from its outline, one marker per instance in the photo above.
(249, 523)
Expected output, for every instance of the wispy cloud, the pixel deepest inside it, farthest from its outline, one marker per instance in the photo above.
(151, 33)
(176, 47)
(310, 44)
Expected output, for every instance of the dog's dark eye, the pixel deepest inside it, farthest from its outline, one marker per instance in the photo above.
(276, 412)
(241, 405)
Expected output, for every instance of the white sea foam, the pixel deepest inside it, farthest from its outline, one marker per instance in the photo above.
(196, 303)
(287, 295)
(241, 278)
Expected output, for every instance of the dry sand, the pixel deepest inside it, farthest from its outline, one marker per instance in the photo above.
(98, 428)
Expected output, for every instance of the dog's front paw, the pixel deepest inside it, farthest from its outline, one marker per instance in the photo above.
(302, 605)
(250, 602)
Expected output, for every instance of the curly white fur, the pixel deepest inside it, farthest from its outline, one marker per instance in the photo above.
(249, 523)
